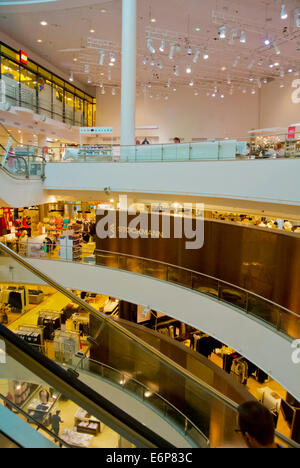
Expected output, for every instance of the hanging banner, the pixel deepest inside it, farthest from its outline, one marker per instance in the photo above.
(291, 133)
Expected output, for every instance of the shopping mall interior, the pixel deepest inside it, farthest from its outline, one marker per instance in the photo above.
(149, 224)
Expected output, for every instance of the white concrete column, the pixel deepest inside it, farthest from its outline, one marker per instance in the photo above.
(128, 72)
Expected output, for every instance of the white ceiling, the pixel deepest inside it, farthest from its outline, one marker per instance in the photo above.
(69, 25)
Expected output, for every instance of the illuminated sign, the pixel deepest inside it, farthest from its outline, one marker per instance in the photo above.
(23, 57)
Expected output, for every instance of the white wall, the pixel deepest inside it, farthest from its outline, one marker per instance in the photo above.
(269, 350)
(277, 108)
(185, 115)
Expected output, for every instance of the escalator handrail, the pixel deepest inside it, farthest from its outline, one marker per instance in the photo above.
(145, 388)
(69, 380)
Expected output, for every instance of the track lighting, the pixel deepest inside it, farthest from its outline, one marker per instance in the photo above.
(150, 46)
(297, 17)
(102, 57)
(234, 35)
(277, 50)
(172, 51)
(196, 57)
(162, 46)
(284, 14)
(243, 37)
(222, 32)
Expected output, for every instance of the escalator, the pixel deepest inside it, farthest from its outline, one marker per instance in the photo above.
(127, 385)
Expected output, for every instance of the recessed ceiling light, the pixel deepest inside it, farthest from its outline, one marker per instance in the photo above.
(92, 31)
(223, 68)
(44, 23)
(39, 41)
(75, 59)
(103, 10)
(153, 20)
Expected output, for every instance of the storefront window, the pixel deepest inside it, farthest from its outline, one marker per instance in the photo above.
(34, 87)
(69, 108)
(10, 76)
(28, 86)
(58, 99)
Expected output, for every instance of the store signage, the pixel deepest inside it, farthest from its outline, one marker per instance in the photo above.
(291, 133)
(23, 57)
(96, 130)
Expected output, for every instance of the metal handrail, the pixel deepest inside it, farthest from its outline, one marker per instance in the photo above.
(194, 272)
(37, 423)
(148, 389)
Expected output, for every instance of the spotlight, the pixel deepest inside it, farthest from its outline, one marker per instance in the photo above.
(112, 57)
(44, 23)
(290, 70)
(71, 77)
(297, 17)
(222, 32)
(205, 56)
(277, 50)
(162, 47)
(150, 46)
(191, 83)
(283, 15)
(222, 96)
(195, 59)
(267, 41)
(102, 57)
(172, 51)
(189, 70)
(243, 37)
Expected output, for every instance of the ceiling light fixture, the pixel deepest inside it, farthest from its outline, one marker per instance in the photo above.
(205, 56)
(150, 46)
(102, 57)
(92, 31)
(222, 32)
(44, 23)
(196, 57)
(112, 57)
(39, 41)
(172, 51)
(162, 46)
(189, 50)
(71, 77)
(243, 37)
(283, 14)
(189, 70)
(267, 41)
(191, 83)
(277, 50)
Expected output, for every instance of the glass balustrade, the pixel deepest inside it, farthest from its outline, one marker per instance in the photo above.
(276, 316)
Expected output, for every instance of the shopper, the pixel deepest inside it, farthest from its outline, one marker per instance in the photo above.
(55, 423)
(146, 142)
(177, 141)
(256, 424)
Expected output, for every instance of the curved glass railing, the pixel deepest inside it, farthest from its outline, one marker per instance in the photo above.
(204, 408)
(280, 318)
